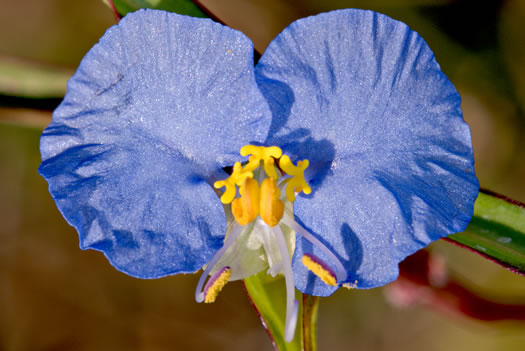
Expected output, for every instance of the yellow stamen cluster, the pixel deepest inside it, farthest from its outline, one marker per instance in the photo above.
(261, 153)
(246, 208)
(238, 176)
(297, 183)
(264, 200)
(271, 207)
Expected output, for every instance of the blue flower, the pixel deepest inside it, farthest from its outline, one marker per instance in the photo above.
(352, 100)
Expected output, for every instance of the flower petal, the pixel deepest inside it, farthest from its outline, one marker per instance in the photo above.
(152, 113)
(146, 207)
(186, 82)
(362, 97)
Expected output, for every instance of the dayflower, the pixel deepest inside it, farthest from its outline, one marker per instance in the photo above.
(354, 153)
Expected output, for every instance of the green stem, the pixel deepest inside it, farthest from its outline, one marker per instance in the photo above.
(310, 308)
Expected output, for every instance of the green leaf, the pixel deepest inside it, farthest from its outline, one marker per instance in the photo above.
(182, 7)
(26, 79)
(268, 296)
(497, 230)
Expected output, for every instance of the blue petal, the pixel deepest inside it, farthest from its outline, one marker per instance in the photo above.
(152, 113)
(362, 97)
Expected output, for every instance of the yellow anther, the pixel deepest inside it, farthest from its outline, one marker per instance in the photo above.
(297, 183)
(237, 177)
(262, 153)
(216, 284)
(319, 270)
(246, 208)
(272, 208)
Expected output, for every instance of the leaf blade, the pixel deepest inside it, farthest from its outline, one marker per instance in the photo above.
(497, 230)
(182, 7)
(268, 296)
(31, 80)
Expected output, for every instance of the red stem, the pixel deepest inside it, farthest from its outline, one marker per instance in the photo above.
(502, 197)
(416, 273)
(487, 257)
(263, 322)
(115, 11)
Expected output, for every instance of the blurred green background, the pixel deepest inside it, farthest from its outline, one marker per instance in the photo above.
(54, 296)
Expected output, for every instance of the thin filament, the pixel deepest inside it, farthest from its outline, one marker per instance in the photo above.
(291, 303)
(340, 270)
(236, 231)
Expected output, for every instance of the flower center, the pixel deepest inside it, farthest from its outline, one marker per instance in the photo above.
(262, 232)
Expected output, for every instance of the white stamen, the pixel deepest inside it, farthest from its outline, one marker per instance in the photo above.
(340, 271)
(236, 231)
(291, 303)
(289, 327)
(271, 247)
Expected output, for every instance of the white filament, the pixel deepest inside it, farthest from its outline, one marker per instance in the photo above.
(340, 271)
(236, 231)
(291, 303)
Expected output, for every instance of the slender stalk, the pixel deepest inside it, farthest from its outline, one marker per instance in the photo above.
(237, 230)
(115, 11)
(310, 308)
(291, 303)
